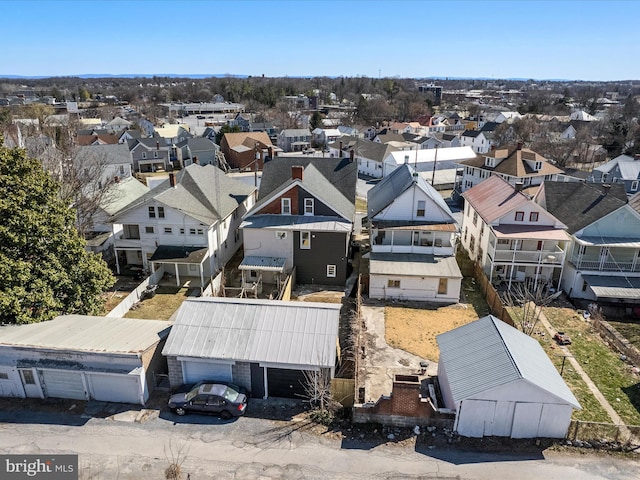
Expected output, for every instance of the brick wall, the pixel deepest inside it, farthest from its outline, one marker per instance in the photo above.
(275, 206)
(175, 372)
(241, 374)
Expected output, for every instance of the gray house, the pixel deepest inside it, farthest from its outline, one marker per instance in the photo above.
(294, 139)
(622, 169)
(265, 346)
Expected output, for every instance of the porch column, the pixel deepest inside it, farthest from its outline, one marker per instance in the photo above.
(513, 262)
(539, 267)
(176, 270)
(201, 279)
(634, 263)
(117, 262)
(392, 232)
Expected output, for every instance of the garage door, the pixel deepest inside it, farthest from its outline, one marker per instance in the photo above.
(115, 388)
(282, 382)
(63, 384)
(197, 371)
(526, 419)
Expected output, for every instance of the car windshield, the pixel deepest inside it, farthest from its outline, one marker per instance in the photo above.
(230, 394)
(191, 395)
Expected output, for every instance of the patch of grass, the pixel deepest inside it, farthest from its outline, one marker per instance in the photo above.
(619, 386)
(361, 204)
(164, 304)
(629, 330)
(471, 294)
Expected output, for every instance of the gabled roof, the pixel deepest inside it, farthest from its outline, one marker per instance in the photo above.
(251, 330)
(513, 162)
(122, 193)
(103, 139)
(115, 154)
(248, 139)
(195, 194)
(295, 132)
(489, 127)
(471, 133)
(317, 185)
(634, 202)
(488, 353)
(397, 182)
(610, 165)
(198, 144)
(148, 143)
(340, 172)
(578, 204)
(493, 198)
(119, 122)
(629, 170)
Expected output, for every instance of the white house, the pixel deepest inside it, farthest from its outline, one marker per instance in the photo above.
(424, 160)
(82, 357)
(478, 140)
(603, 264)
(514, 239)
(500, 382)
(412, 234)
(514, 164)
(189, 224)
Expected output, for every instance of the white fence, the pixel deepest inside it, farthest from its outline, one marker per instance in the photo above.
(213, 289)
(125, 305)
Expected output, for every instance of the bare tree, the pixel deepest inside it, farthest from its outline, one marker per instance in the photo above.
(526, 305)
(175, 455)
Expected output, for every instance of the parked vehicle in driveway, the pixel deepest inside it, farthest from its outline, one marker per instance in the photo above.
(210, 398)
(187, 387)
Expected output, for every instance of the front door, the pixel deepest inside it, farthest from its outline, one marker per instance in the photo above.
(30, 383)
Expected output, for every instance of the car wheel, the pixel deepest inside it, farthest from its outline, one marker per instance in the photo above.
(225, 415)
(180, 411)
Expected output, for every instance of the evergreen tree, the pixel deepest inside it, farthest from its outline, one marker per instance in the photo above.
(45, 270)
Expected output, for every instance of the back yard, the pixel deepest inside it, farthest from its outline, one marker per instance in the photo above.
(414, 327)
(162, 306)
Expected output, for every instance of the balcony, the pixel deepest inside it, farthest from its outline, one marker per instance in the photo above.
(606, 265)
(553, 256)
(127, 242)
(439, 251)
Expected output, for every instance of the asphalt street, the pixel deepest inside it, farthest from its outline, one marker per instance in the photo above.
(255, 448)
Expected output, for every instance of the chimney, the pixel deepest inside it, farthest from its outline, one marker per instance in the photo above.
(296, 172)
(519, 146)
(519, 186)
(157, 145)
(340, 148)
(606, 188)
(172, 180)
(351, 155)
(270, 152)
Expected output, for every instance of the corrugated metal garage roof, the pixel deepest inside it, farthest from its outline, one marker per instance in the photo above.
(87, 334)
(487, 353)
(251, 330)
(609, 286)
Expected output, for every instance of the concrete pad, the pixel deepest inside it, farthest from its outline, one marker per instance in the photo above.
(129, 416)
(382, 362)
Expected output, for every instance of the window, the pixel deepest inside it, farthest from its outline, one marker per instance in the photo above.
(480, 253)
(475, 218)
(489, 162)
(533, 217)
(393, 283)
(538, 166)
(421, 208)
(308, 206)
(519, 216)
(416, 238)
(465, 233)
(285, 206)
(182, 231)
(192, 231)
(236, 235)
(144, 155)
(331, 271)
(584, 286)
(155, 154)
(160, 212)
(148, 229)
(481, 231)
(442, 286)
(152, 212)
(4, 376)
(121, 169)
(539, 245)
(634, 185)
(168, 230)
(200, 231)
(27, 376)
(305, 240)
(503, 242)
(472, 243)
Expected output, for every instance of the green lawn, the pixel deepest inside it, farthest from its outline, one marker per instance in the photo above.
(630, 330)
(603, 365)
(166, 301)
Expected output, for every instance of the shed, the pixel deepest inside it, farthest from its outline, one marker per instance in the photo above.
(265, 346)
(500, 382)
(82, 357)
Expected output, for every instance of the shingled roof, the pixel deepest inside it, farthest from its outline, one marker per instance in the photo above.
(579, 204)
(512, 162)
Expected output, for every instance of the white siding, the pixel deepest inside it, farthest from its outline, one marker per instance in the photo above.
(405, 205)
(414, 288)
(265, 243)
(116, 387)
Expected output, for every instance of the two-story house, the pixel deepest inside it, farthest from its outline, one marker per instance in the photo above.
(294, 139)
(514, 164)
(623, 169)
(150, 154)
(412, 233)
(603, 264)
(189, 224)
(246, 150)
(303, 219)
(480, 141)
(514, 239)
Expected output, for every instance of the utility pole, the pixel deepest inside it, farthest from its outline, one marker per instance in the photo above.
(433, 174)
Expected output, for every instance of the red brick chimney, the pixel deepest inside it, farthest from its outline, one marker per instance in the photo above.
(172, 180)
(351, 155)
(519, 146)
(296, 171)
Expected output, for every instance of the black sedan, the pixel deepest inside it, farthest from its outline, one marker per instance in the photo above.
(210, 398)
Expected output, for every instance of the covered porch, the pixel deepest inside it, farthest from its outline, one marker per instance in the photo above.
(181, 265)
(260, 277)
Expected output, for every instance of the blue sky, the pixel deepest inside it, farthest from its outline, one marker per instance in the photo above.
(581, 40)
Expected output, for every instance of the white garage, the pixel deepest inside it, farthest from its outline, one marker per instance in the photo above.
(500, 382)
(83, 358)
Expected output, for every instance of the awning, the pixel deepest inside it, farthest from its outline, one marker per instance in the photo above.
(178, 254)
(269, 264)
(614, 287)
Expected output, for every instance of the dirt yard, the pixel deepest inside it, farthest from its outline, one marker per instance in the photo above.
(413, 327)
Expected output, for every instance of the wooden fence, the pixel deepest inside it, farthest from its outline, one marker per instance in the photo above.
(343, 391)
(125, 305)
(598, 432)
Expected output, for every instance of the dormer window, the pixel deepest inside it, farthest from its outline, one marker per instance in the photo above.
(538, 166)
(490, 162)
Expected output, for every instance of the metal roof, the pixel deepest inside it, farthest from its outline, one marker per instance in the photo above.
(629, 242)
(297, 222)
(530, 232)
(273, 264)
(487, 353)
(87, 334)
(408, 264)
(252, 330)
(613, 286)
(494, 198)
(429, 155)
(179, 254)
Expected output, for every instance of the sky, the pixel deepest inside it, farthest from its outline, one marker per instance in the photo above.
(574, 40)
